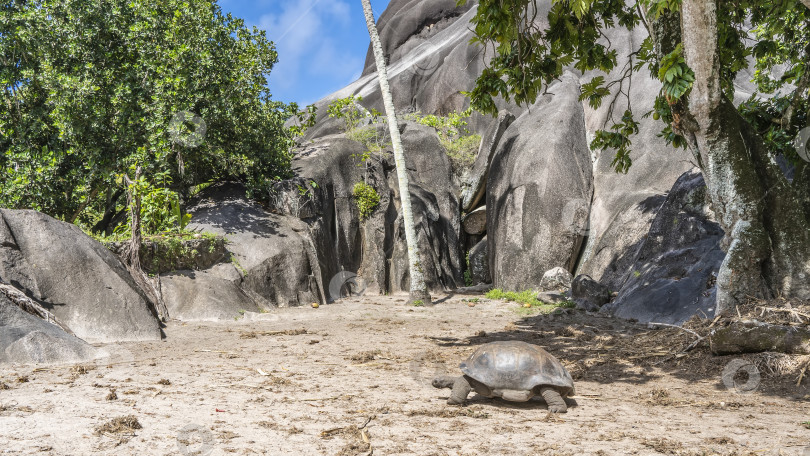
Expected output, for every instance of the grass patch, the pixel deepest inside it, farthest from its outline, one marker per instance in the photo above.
(530, 305)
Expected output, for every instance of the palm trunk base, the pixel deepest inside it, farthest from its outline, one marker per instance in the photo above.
(420, 297)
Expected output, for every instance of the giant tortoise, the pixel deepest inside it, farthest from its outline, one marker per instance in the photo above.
(513, 370)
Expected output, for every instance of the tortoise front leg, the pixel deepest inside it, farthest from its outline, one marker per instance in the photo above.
(555, 402)
(461, 389)
(444, 381)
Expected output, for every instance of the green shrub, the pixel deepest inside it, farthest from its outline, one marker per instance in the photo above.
(367, 199)
(349, 110)
(160, 207)
(461, 146)
(371, 139)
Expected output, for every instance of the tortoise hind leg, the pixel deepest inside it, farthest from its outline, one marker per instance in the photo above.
(461, 389)
(555, 402)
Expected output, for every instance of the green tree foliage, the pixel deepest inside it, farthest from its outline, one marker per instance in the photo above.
(528, 57)
(89, 88)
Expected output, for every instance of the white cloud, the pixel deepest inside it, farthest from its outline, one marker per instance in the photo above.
(306, 36)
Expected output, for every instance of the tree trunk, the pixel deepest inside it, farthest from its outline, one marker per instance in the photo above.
(132, 254)
(418, 291)
(767, 230)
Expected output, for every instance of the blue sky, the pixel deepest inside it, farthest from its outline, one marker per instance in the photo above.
(321, 43)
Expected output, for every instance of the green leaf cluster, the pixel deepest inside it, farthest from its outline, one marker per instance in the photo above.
(770, 37)
(367, 199)
(675, 74)
(160, 208)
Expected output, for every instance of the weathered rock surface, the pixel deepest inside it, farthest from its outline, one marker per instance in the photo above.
(756, 337)
(539, 190)
(474, 182)
(676, 264)
(74, 277)
(375, 248)
(588, 294)
(436, 213)
(624, 205)
(479, 263)
(549, 297)
(274, 253)
(431, 62)
(208, 295)
(476, 221)
(556, 279)
(27, 339)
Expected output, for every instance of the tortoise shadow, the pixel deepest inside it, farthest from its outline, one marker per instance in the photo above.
(534, 403)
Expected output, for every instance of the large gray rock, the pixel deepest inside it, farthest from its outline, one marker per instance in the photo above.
(556, 279)
(588, 294)
(76, 278)
(430, 63)
(27, 339)
(675, 267)
(333, 218)
(624, 205)
(476, 221)
(539, 190)
(437, 215)
(210, 295)
(274, 252)
(479, 263)
(474, 181)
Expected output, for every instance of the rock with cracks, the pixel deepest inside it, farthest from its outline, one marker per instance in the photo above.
(26, 339)
(74, 277)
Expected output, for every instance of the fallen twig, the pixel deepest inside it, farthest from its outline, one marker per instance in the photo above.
(693, 344)
(793, 312)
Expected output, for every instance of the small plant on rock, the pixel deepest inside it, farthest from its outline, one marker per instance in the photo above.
(460, 146)
(367, 199)
(349, 110)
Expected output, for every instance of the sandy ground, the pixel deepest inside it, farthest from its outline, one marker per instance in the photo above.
(354, 378)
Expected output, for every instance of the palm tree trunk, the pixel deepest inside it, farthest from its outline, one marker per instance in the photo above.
(418, 291)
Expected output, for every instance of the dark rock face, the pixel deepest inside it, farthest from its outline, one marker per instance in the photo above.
(675, 267)
(539, 190)
(474, 182)
(76, 278)
(375, 248)
(479, 263)
(274, 253)
(27, 339)
(589, 294)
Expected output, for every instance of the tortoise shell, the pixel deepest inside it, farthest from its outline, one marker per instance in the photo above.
(518, 366)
